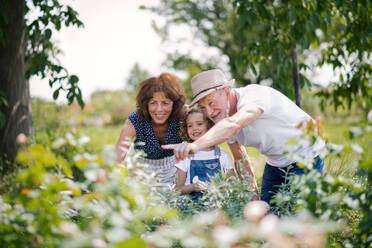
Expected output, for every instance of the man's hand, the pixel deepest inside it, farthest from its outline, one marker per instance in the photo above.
(181, 150)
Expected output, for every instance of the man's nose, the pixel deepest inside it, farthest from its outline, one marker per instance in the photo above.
(208, 111)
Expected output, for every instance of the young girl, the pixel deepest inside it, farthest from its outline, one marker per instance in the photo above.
(195, 170)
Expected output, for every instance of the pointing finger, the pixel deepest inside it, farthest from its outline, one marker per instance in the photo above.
(168, 147)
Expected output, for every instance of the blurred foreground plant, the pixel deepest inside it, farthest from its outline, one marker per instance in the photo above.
(346, 201)
(122, 205)
(109, 205)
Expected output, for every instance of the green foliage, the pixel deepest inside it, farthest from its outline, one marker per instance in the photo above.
(105, 108)
(212, 22)
(136, 75)
(66, 195)
(30, 30)
(343, 27)
(42, 18)
(346, 201)
(48, 115)
(260, 39)
(228, 193)
(122, 205)
(224, 192)
(190, 66)
(112, 106)
(110, 204)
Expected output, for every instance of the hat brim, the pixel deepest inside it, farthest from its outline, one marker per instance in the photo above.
(200, 96)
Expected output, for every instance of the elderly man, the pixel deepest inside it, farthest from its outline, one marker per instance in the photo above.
(255, 116)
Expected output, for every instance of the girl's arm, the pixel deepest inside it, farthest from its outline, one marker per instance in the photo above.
(181, 183)
(122, 145)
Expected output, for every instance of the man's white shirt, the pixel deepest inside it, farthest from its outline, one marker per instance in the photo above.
(276, 125)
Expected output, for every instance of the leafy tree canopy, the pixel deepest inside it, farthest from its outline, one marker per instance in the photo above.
(136, 75)
(260, 39)
(42, 18)
(27, 49)
(342, 28)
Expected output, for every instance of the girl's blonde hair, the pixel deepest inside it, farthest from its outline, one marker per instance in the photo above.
(183, 122)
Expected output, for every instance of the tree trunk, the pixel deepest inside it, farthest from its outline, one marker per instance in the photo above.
(296, 84)
(13, 84)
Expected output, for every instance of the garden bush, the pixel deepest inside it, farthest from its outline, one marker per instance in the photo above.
(346, 201)
(68, 197)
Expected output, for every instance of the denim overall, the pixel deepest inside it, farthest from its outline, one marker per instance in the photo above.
(204, 169)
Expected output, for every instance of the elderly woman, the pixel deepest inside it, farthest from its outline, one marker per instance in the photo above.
(160, 103)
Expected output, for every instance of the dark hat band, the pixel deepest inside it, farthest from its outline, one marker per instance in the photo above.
(207, 90)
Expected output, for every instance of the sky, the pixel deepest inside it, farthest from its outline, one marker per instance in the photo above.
(116, 35)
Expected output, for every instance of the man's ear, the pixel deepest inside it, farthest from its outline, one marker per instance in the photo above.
(227, 92)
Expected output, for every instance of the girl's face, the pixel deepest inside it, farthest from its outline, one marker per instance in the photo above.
(197, 125)
(160, 108)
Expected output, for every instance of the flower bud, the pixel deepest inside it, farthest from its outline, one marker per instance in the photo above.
(98, 243)
(100, 176)
(21, 138)
(254, 211)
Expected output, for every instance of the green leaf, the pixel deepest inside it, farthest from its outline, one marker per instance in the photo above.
(81, 102)
(314, 44)
(355, 132)
(73, 79)
(253, 70)
(48, 34)
(56, 94)
(327, 19)
(3, 101)
(135, 242)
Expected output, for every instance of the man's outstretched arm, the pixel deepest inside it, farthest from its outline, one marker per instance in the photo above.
(219, 133)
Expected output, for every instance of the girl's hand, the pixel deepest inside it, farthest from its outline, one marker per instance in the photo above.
(198, 185)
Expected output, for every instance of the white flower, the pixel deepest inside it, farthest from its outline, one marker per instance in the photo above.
(225, 234)
(254, 211)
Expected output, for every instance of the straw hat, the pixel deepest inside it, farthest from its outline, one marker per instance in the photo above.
(206, 82)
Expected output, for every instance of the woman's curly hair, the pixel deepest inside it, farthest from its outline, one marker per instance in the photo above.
(167, 83)
(183, 123)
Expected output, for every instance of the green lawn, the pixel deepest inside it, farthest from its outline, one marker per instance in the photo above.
(336, 131)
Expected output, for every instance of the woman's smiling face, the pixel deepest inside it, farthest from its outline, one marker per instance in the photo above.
(160, 108)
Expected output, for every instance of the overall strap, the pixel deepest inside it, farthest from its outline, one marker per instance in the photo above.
(217, 151)
(192, 156)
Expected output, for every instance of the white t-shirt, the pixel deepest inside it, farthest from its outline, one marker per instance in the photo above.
(270, 132)
(225, 161)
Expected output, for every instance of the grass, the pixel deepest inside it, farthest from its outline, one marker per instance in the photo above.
(100, 137)
(335, 129)
(337, 132)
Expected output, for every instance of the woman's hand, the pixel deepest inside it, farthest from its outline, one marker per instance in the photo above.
(122, 145)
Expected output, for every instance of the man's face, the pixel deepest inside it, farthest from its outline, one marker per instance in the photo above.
(215, 105)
